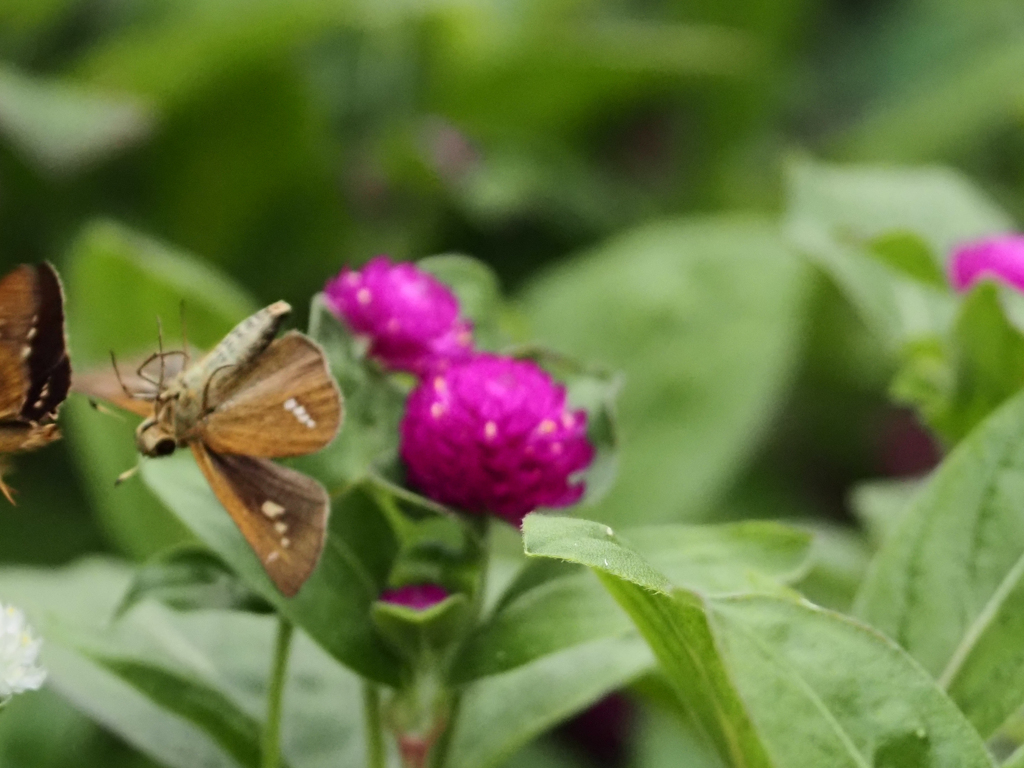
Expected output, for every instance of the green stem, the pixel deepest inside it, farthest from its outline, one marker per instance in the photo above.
(275, 694)
(375, 757)
(439, 754)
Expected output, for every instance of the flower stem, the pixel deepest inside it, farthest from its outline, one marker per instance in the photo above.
(275, 694)
(439, 754)
(375, 757)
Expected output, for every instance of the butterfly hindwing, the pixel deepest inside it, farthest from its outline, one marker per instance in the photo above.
(285, 404)
(281, 513)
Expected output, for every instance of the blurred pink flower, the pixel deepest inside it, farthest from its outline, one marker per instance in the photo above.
(1000, 257)
(411, 318)
(419, 597)
(494, 435)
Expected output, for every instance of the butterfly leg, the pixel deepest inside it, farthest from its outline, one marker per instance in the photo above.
(125, 475)
(141, 370)
(117, 372)
(209, 381)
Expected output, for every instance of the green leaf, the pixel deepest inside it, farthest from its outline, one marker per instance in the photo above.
(422, 635)
(946, 583)
(772, 680)
(945, 108)
(980, 365)
(71, 606)
(839, 562)
(502, 713)
(990, 359)
(909, 253)
(64, 127)
(477, 289)
(118, 284)
(189, 578)
(569, 608)
(702, 383)
(663, 742)
(236, 732)
(881, 504)
(837, 216)
(374, 405)
(558, 614)
(186, 689)
(719, 559)
(333, 607)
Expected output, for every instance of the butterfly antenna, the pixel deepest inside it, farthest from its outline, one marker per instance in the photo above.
(160, 343)
(184, 334)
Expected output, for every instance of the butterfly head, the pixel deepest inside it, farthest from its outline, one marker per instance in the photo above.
(153, 440)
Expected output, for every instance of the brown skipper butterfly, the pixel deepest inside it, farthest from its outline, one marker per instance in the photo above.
(252, 398)
(35, 372)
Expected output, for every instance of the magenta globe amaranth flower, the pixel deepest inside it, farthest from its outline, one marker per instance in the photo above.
(419, 597)
(495, 435)
(1000, 257)
(410, 318)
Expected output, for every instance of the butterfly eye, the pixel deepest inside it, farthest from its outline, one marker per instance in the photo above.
(164, 447)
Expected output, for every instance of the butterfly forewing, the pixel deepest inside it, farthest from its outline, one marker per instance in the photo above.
(105, 384)
(282, 513)
(35, 372)
(286, 404)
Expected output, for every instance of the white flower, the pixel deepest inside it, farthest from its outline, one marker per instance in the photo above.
(19, 652)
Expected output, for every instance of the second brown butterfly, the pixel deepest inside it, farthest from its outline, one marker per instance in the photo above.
(250, 399)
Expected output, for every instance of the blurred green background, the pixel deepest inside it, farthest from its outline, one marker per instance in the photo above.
(619, 163)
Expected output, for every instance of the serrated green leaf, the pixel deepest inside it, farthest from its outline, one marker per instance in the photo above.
(118, 283)
(333, 607)
(701, 383)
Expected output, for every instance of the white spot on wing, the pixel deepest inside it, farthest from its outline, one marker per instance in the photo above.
(299, 412)
(272, 509)
(273, 556)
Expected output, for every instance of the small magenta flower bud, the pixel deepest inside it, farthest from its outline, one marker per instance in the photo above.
(410, 318)
(495, 435)
(19, 654)
(419, 597)
(1000, 257)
